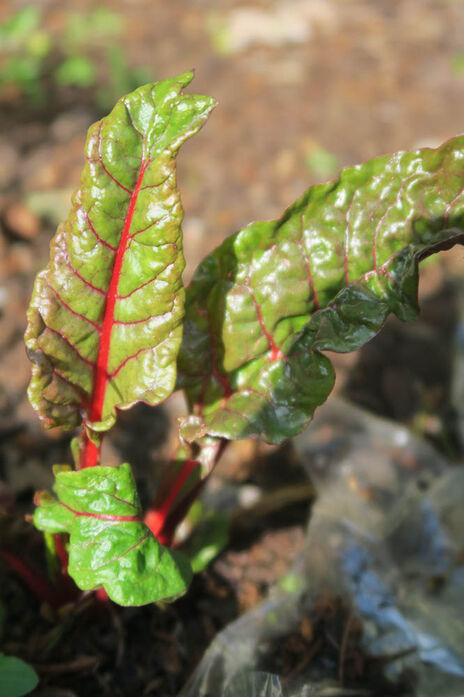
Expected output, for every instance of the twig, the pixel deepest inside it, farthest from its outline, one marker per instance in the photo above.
(343, 647)
(273, 501)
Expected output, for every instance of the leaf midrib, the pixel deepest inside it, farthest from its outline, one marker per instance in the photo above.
(101, 377)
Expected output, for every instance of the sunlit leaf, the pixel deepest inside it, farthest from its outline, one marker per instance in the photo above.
(109, 544)
(325, 276)
(105, 321)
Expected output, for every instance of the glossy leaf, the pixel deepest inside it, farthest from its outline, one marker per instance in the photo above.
(263, 306)
(105, 321)
(109, 544)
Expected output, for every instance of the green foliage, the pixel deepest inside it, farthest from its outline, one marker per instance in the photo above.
(457, 64)
(121, 78)
(76, 71)
(320, 162)
(107, 315)
(24, 47)
(209, 537)
(99, 31)
(109, 544)
(20, 28)
(263, 306)
(17, 678)
(87, 55)
(98, 25)
(105, 324)
(105, 321)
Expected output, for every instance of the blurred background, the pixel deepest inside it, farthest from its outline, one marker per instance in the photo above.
(304, 87)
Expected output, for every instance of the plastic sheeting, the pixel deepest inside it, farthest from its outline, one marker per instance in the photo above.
(386, 536)
(458, 372)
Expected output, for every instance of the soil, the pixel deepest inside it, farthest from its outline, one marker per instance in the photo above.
(361, 80)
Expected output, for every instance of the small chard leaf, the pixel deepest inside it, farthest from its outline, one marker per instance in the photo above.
(105, 321)
(263, 306)
(109, 545)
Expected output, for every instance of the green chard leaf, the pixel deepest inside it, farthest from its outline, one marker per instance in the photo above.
(109, 544)
(105, 321)
(263, 306)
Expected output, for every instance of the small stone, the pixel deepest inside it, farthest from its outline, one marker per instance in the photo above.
(285, 163)
(22, 221)
(285, 22)
(20, 259)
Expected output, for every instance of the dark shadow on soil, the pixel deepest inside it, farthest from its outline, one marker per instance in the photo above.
(405, 373)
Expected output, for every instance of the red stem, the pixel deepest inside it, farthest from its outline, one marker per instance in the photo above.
(31, 577)
(91, 452)
(61, 553)
(163, 518)
(156, 518)
(177, 515)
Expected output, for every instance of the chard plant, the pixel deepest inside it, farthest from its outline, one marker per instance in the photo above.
(110, 323)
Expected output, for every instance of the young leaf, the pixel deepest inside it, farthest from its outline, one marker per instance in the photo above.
(109, 544)
(263, 306)
(17, 678)
(105, 321)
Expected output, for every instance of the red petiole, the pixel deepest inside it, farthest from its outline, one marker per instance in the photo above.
(90, 452)
(31, 577)
(156, 518)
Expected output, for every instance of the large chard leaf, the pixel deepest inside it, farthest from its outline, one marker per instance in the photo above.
(263, 306)
(105, 321)
(109, 544)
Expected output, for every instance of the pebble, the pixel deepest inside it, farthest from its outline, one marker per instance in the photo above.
(287, 22)
(20, 260)
(22, 221)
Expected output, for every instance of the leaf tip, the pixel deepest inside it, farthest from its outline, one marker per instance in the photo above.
(186, 78)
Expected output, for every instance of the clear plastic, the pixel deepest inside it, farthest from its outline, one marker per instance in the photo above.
(385, 536)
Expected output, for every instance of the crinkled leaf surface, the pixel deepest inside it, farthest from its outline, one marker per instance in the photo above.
(109, 544)
(105, 321)
(263, 306)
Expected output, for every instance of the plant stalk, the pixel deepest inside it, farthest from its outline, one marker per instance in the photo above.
(176, 494)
